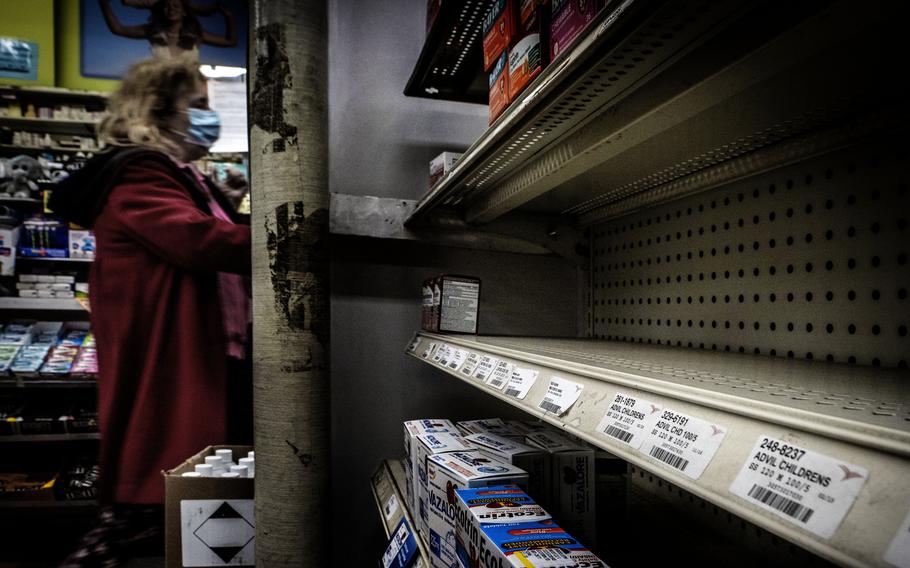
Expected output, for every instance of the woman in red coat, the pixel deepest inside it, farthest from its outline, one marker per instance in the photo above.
(168, 293)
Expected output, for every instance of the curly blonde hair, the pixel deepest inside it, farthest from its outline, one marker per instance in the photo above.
(139, 110)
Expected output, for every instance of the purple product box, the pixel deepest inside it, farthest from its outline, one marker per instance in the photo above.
(568, 18)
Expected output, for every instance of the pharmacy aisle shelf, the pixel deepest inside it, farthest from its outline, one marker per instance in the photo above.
(59, 125)
(388, 485)
(52, 259)
(41, 304)
(79, 437)
(44, 383)
(664, 99)
(714, 423)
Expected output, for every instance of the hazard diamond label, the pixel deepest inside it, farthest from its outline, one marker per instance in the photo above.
(217, 532)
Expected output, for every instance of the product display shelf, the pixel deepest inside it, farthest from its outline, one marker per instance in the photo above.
(58, 125)
(41, 304)
(450, 64)
(16, 201)
(12, 507)
(41, 383)
(7, 148)
(51, 259)
(662, 99)
(81, 437)
(10, 92)
(857, 416)
(388, 485)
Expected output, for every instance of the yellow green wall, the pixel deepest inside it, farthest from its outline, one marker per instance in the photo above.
(31, 20)
(69, 73)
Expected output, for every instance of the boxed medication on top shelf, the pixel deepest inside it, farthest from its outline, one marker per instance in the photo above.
(533, 460)
(499, 87)
(441, 165)
(429, 445)
(571, 493)
(412, 429)
(82, 244)
(44, 237)
(9, 240)
(502, 526)
(567, 20)
(498, 30)
(529, 50)
(459, 470)
(459, 304)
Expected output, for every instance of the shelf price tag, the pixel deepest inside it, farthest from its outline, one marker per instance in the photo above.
(485, 367)
(682, 442)
(809, 489)
(413, 346)
(628, 419)
(521, 382)
(898, 553)
(470, 364)
(561, 395)
(440, 353)
(458, 357)
(429, 350)
(391, 507)
(447, 356)
(501, 375)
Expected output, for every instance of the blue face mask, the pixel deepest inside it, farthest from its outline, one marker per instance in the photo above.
(205, 127)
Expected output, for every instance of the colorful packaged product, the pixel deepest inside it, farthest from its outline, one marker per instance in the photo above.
(489, 426)
(525, 63)
(568, 19)
(499, 87)
(459, 303)
(498, 31)
(412, 429)
(533, 460)
(428, 445)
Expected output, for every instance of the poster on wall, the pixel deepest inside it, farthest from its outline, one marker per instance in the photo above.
(18, 59)
(116, 33)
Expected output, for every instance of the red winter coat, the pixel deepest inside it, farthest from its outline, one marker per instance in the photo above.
(157, 320)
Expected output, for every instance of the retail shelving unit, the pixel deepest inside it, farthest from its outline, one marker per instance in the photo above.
(739, 173)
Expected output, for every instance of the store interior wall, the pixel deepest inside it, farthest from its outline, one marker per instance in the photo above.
(380, 144)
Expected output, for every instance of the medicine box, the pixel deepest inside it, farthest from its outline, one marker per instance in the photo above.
(441, 165)
(9, 239)
(459, 303)
(490, 426)
(499, 86)
(571, 494)
(459, 470)
(412, 429)
(568, 19)
(208, 520)
(533, 460)
(427, 445)
(498, 30)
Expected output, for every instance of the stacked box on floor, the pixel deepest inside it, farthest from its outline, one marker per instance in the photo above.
(457, 470)
(502, 526)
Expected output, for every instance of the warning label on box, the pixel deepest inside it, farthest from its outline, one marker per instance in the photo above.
(806, 488)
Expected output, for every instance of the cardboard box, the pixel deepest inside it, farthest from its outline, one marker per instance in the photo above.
(530, 49)
(459, 470)
(429, 445)
(571, 495)
(568, 19)
(535, 545)
(525, 427)
(426, 307)
(82, 244)
(533, 460)
(459, 303)
(216, 512)
(9, 239)
(441, 165)
(499, 87)
(498, 31)
(436, 287)
(412, 429)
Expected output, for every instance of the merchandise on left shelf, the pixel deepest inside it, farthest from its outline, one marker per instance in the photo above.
(48, 361)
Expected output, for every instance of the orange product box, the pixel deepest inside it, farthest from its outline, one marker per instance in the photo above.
(525, 62)
(499, 87)
(498, 31)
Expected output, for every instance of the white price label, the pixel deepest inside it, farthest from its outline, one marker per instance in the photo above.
(447, 353)
(501, 375)
(683, 442)
(561, 395)
(628, 419)
(470, 364)
(898, 553)
(413, 346)
(391, 507)
(429, 350)
(458, 357)
(485, 367)
(521, 382)
(806, 488)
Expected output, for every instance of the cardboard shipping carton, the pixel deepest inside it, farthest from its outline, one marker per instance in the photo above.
(208, 520)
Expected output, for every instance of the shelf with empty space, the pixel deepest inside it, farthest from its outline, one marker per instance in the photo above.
(855, 414)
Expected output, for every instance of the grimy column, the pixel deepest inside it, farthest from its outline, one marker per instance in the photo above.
(290, 217)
